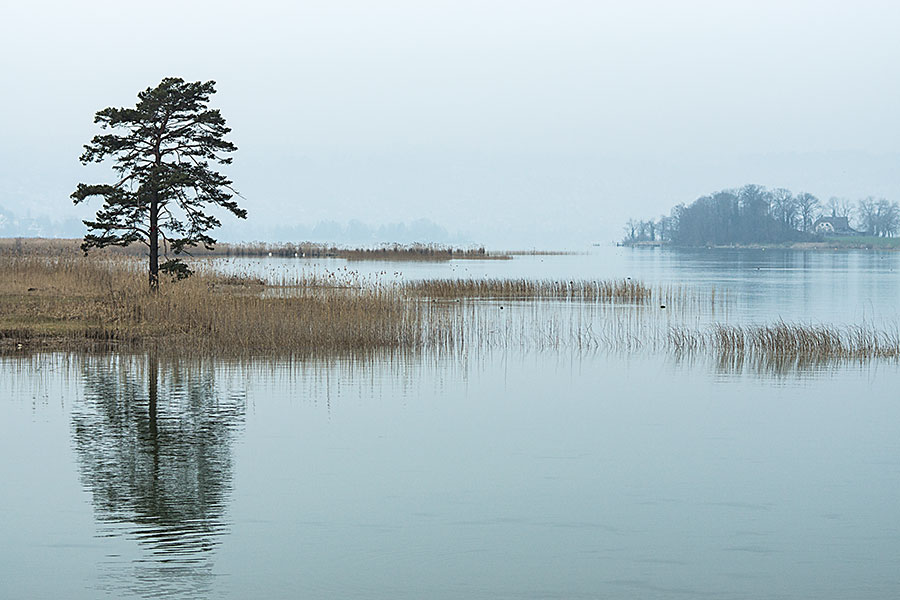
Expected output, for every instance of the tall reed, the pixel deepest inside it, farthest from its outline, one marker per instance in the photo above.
(789, 340)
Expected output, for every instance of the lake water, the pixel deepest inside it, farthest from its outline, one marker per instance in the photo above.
(500, 473)
(764, 285)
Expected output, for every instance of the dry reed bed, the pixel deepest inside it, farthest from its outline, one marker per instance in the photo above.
(611, 291)
(535, 252)
(73, 302)
(523, 289)
(420, 252)
(56, 246)
(393, 252)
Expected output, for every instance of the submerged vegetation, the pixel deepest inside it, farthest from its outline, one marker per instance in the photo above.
(65, 301)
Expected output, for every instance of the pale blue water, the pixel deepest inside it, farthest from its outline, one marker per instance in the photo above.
(495, 474)
(765, 285)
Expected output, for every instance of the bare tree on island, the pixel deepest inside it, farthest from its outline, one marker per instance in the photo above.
(784, 207)
(878, 217)
(839, 207)
(807, 206)
(162, 153)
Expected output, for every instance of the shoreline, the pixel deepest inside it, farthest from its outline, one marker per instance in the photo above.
(870, 244)
(380, 252)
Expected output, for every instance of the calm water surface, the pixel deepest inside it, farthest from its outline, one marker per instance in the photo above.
(492, 474)
(763, 285)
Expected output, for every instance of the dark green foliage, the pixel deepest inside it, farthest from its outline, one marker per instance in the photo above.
(162, 151)
(176, 268)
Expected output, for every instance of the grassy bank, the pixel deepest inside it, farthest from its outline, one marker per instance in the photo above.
(861, 242)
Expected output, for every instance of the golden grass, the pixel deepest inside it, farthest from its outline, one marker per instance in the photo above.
(623, 290)
(57, 246)
(423, 252)
(391, 252)
(77, 302)
(609, 291)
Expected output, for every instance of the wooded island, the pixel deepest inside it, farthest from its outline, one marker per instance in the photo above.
(755, 215)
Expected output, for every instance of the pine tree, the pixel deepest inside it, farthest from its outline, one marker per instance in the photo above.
(162, 151)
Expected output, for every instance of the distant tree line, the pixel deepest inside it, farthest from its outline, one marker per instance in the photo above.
(754, 214)
(877, 216)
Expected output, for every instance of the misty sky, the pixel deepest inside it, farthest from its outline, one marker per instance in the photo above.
(519, 123)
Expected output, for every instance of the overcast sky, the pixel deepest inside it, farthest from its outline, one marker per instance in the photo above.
(520, 123)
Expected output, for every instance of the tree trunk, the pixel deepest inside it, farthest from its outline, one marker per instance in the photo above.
(154, 243)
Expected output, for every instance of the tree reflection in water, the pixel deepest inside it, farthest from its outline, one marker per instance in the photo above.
(154, 450)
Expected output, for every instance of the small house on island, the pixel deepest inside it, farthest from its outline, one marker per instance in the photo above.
(834, 226)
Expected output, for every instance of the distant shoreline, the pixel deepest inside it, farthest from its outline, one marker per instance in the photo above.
(381, 252)
(848, 243)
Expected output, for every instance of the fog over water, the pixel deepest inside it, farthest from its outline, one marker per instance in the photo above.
(542, 125)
